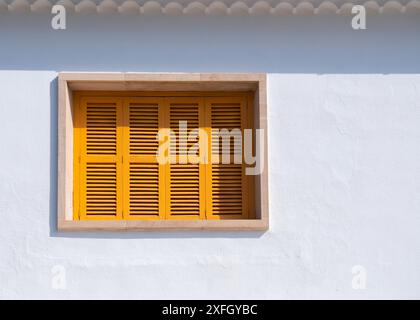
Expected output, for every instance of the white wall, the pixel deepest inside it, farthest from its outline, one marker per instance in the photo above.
(344, 160)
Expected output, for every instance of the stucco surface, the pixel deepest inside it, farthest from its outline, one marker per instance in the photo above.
(344, 161)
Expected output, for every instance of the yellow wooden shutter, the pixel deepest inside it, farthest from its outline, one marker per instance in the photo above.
(98, 155)
(117, 174)
(227, 187)
(144, 177)
(186, 181)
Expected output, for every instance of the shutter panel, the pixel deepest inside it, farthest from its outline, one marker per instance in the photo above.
(144, 176)
(226, 182)
(186, 181)
(117, 174)
(100, 169)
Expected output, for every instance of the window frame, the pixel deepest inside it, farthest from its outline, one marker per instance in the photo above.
(147, 83)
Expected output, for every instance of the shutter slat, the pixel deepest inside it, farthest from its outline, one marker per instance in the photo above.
(186, 181)
(148, 181)
(226, 180)
(144, 176)
(144, 127)
(100, 172)
(226, 189)
(182, 199)
(101, 129)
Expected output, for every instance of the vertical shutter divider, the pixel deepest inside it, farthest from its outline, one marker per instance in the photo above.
(126, 155)
(208, 180)
(164, 168)
(202, 166)
(120, 169)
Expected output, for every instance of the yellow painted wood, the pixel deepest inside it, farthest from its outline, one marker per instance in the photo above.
(118, 175)
(227, 186)
(143, 176)
(100, 168)
(185, 193)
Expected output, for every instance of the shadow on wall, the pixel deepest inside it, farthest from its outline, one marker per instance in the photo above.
(312, 44)
(107, 235)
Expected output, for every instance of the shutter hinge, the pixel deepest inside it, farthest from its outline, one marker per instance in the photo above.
(80, 159)
(122, 159)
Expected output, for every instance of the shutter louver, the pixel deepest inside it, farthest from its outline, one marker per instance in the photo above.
(144, 182)
(99, 165)
(101, 189)
(183, 114)
(144, 189)
(186, 180)
(118, 174)
(226, 189)
(144, 127)
(101, 129)
(185, 189)
(226, 181)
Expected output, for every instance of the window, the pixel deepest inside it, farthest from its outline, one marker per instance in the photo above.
(169, 159)
(117, 172)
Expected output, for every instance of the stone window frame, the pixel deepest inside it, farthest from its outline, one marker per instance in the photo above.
(127, 81)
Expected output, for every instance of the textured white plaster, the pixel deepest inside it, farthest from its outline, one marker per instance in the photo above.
(344, 161)
(344, 180)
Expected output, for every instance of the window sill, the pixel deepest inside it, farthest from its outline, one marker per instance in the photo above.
(164, 225)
